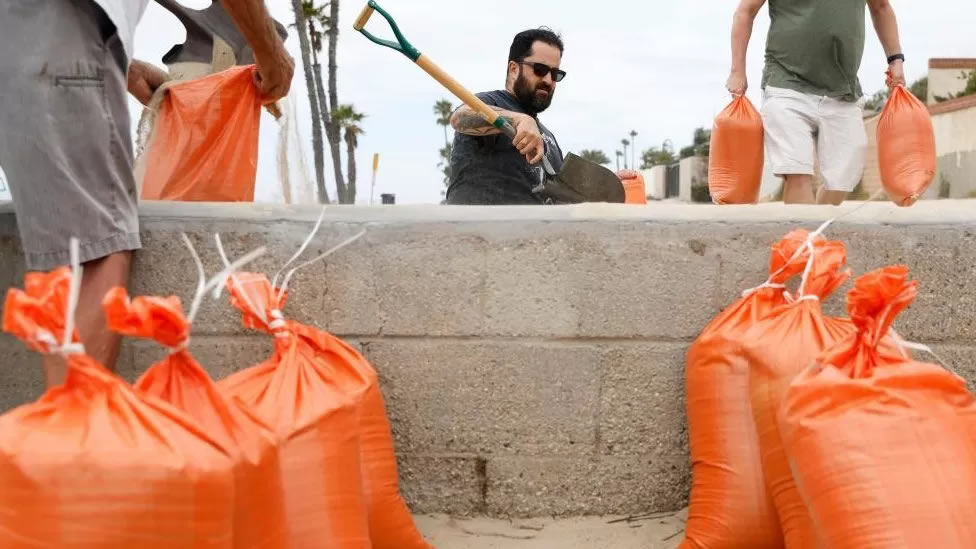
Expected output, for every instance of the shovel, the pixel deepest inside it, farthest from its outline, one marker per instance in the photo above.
(578, 181)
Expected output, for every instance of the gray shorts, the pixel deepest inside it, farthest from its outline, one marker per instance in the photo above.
(65, 138)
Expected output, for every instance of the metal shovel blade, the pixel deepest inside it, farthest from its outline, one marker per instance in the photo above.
(580, 180)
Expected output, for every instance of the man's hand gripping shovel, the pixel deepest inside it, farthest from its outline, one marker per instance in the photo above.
(578, 181)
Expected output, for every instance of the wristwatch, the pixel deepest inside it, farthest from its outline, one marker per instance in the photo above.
(892, 58)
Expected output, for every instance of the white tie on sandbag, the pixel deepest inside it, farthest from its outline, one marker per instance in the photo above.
(277, 320)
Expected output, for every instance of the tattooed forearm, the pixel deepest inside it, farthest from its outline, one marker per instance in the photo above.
(468, 122)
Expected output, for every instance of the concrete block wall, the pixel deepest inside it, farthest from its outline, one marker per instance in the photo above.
(532, 359)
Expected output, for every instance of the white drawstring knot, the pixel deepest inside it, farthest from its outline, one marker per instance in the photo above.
(791, 300)
(57, 348)
(184, 345)
(773, 285)
(808, 245)
(278, 324)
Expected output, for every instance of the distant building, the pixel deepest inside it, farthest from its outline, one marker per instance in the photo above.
(954, 122)
(944, 76)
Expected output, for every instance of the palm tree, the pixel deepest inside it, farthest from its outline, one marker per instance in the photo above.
(626, 144)
(595, 156)
(332, 130)
(316, 14)
(301, 23)
(619, 154)
(445, 163)
(633, 150)
(349, 120)
(443, 109)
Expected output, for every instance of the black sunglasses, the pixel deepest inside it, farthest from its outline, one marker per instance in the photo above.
(541, 69)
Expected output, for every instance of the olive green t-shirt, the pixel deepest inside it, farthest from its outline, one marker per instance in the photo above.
(816, 46)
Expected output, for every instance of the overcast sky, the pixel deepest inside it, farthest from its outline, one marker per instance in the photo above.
(657, 67)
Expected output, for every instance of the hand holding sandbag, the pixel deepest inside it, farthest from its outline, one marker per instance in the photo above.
(204, 141)
(906, 147)
(735, 160)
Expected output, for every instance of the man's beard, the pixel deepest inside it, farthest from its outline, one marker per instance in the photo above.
(527, 97)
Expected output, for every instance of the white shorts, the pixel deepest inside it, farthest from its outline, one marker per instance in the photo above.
(801, 129)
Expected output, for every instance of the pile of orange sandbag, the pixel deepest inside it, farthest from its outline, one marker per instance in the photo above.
(635, 191)
(295, 452)
(94, 463)
(809, 431)
(883, 446)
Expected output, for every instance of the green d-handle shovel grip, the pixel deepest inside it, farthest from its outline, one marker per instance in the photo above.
(406, 48)
(403, 46)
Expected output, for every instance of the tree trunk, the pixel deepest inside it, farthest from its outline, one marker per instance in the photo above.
(333, 131)
(633, 152)
(446, 142)
(327, 123)
(351, 170)
(317, 144)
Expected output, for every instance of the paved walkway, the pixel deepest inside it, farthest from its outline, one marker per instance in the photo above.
(658, 531)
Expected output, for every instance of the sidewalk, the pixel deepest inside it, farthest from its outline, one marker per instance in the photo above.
(658, 531)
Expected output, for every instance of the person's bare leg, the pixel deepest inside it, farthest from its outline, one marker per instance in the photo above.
(55, 370)
(100, 276)
(835, 198)
(798, 189)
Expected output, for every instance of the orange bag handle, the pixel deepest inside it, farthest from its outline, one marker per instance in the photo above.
(36, 313)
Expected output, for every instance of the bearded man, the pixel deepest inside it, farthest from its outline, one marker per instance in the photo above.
(488, 168)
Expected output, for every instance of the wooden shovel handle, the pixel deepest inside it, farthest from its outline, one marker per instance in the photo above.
(363, 17)
(460, 91)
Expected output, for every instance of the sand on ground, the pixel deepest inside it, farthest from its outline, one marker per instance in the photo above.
(653, 531)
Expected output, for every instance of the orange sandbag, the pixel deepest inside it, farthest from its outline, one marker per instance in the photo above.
(204, 143)
(259, 519)
(778, 348)
(634, 189)
(735, 159)
(729, 506)
(883, 446)
(94, 465)
(391, 525)
(310, 394)
(906, 147)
